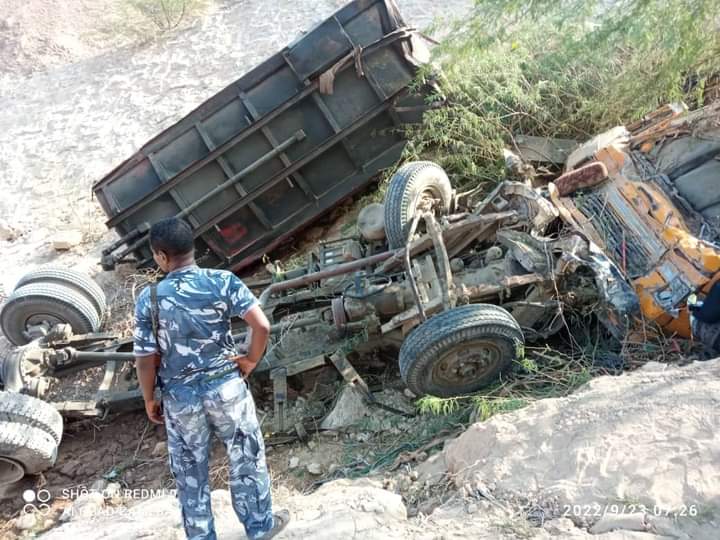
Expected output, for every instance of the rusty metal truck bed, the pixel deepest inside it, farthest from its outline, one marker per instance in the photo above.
(278, 147)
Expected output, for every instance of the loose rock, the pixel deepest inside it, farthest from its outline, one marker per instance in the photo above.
(315, 468)
(7, 233)
(69, 468)
(160, 449)
(112, 490)
(629, 522)
(26, 521)
(65, 240)
(99, 485)
(559, 526)
(349, 409)
(86, 506)
(427, 507)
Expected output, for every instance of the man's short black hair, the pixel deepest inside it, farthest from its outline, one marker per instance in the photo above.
(173, 236)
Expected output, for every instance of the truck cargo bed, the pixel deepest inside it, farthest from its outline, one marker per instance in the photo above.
(278, 147)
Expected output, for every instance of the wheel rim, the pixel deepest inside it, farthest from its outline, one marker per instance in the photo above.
(10, 471)
(35, 324)
(467, 362)
(421, 204)
(424, 197)
(40, 318)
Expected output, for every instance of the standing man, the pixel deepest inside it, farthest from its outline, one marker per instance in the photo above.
(183, 338)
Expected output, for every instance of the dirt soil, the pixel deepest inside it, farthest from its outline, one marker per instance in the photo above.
(76, 101)
(626, 457)
(43, 34)
(79, 94)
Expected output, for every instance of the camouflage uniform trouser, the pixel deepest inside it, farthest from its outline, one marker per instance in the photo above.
(707, 334)
(227, 409)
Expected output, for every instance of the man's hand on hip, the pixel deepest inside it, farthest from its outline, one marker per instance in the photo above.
(259, 330)
(244, 364)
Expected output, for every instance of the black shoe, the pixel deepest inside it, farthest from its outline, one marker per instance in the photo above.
(280, 521)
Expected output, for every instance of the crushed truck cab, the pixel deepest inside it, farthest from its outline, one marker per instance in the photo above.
(647, 217)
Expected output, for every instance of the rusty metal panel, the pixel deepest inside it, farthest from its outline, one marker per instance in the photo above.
(270, 153)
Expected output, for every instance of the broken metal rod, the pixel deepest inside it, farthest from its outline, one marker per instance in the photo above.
(282, 326)
(73, 355)
(99, 356)
(298, 136)
(409, 270)
(443, 262)
(307, 279)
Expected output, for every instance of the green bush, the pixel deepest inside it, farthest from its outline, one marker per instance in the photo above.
(165, 14)
(141, 21)
(566, 68)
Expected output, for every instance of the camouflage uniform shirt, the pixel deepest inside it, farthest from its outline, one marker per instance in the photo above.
(195, 305)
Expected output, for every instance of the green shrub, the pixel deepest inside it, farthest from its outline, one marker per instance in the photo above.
(141, 21)
(165, 14)
(566, 68)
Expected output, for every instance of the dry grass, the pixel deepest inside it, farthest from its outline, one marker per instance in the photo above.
(122, 303)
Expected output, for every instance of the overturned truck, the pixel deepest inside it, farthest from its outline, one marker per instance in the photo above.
(280, 146)
(455, 282)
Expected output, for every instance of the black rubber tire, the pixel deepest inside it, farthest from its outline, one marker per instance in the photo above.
(403, 194)
(58, 301)
(430, 347)
(6, 351)
(31, 447)
(32, 412)
(74, 279)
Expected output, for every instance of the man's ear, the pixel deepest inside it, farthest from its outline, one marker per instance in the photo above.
(161, 258)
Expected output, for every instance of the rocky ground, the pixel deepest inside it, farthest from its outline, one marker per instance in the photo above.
(79, 94)
(64, 128)
(627, 457)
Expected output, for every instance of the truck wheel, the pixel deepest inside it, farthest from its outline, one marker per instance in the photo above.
(49, 303)
(31, 411)
(10, 471)
(460, 351)
(32, 448)
(74, 279)
(412, 183)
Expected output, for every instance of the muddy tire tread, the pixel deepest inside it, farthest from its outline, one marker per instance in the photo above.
(32, 412)
(441, 332)
(398, 197)
(62, 299)
(32, 447)
(71, 278)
